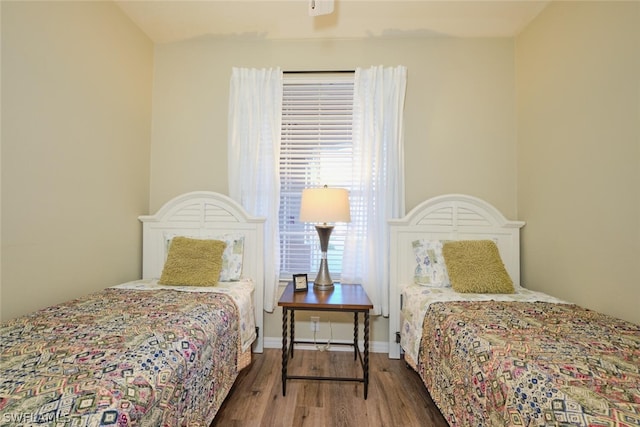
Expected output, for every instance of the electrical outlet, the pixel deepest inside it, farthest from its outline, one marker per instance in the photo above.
(315, 324)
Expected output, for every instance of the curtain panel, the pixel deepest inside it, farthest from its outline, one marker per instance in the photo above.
(378, 190)
(255, 114)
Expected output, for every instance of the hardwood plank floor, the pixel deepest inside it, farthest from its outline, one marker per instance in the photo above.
(396, 397)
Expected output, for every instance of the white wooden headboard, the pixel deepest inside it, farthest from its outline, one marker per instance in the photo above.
(447, 217)
(202, 213)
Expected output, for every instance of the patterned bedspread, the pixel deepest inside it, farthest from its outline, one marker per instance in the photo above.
(416, 300)
(120, 358)
(530, 364)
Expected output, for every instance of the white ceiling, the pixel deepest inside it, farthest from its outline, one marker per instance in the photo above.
(166, 21)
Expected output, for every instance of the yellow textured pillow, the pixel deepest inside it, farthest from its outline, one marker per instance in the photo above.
(475, 266)
(193, 262)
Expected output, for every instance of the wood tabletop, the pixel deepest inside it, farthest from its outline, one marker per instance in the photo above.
(349, 297)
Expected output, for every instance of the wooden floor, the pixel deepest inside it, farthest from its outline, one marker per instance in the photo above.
(396, 397)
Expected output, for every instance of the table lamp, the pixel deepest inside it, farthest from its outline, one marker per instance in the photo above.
(324, 205)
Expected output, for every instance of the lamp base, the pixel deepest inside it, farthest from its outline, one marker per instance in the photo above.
(323, 280)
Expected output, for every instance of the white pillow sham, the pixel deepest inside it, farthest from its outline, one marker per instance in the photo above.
(430, 268)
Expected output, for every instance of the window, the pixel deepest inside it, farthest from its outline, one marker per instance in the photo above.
(316, 150)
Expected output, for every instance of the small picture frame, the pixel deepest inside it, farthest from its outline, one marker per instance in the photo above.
(300, 283)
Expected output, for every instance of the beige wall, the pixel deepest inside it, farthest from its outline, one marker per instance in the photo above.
(76, 114)
(460, 110)
(578, 81)
(460, 116)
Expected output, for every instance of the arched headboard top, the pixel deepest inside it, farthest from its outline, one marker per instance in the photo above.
(201, 207)
(455, 211)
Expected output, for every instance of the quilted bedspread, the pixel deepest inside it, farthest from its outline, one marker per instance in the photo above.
(120, 358)
(530, 364)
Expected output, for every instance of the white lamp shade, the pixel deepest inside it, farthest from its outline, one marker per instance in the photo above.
(325, 205)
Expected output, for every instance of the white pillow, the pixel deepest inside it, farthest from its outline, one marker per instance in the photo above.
(231, 257)
(430, 269)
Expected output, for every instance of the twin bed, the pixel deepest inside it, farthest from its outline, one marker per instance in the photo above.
(143, 353)
(506, 356)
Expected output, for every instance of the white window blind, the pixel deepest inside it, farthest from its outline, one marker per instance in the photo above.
(316, 150)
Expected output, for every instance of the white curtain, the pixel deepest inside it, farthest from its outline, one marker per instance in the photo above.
(378, 191)
(255, 114)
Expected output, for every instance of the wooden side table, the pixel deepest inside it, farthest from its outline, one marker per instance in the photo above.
(342, 298)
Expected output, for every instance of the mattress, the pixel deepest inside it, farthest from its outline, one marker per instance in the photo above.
(136, 354)
(416, 300)
(240, 291)
(524, 363)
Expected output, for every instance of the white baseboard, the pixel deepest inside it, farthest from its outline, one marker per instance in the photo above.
(374, 346)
